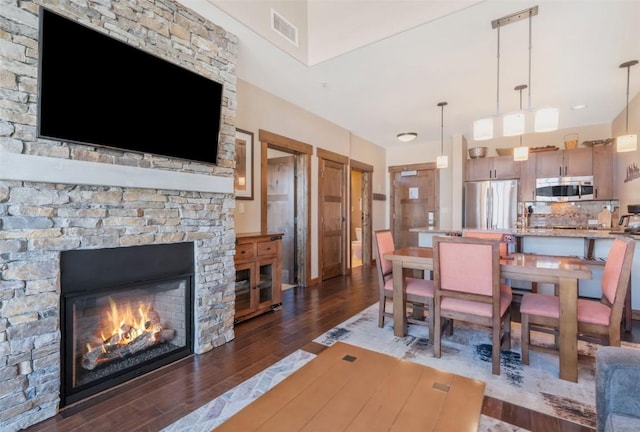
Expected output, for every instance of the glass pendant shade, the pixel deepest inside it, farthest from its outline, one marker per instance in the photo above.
(546, 119)
(521, 153)
(483, 129)
(442, 161)
(513, 124)
(626, 143)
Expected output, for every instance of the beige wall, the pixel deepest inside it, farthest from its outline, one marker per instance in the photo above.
(629, 192)
(257, 109)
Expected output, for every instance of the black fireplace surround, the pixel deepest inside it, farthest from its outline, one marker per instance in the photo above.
(124, 312)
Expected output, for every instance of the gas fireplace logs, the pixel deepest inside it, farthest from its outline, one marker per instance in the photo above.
(129, 340)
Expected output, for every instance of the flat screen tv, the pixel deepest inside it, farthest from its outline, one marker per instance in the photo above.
(96, 90)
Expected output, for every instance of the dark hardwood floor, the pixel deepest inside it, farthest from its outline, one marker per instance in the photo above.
(156, 400)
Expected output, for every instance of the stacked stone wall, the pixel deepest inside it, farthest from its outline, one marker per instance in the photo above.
(39, 220)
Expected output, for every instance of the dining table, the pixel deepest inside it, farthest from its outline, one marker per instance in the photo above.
(565, 272)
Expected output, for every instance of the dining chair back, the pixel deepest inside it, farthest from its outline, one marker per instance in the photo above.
(468, 288)
(597, 319)
(419, 292)
(491, 235)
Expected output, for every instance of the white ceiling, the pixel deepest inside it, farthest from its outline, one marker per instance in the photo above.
(378, 68)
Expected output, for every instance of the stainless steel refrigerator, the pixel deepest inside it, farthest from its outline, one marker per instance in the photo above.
(490, 204)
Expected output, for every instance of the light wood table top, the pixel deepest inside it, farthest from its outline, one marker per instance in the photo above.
(347, 388)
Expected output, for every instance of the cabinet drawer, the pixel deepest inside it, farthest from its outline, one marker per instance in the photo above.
(267, 248)
(245, 251)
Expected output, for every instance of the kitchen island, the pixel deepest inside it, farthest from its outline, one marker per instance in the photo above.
(591, 245)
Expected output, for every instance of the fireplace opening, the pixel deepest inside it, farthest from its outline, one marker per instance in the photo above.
(125, 312)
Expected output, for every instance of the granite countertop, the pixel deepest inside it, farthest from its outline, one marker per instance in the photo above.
(537, 232)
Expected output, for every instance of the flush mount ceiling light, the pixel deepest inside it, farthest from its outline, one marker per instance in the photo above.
(442, 161)
(407, 136)
(627, 142)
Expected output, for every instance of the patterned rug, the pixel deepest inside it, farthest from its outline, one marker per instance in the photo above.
(468, 352)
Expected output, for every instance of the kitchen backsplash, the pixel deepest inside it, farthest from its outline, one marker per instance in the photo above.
(582, 214)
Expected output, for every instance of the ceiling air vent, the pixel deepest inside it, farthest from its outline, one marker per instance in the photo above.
(280, 25)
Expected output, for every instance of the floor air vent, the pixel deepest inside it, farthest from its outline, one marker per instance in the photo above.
(280, 25)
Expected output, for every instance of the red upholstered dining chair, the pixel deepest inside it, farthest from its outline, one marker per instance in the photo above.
(468, 288)
(491, 235)
(600, 319)
(419, 291)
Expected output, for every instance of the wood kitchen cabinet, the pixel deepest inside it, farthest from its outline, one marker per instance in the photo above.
(560, 163)
(500, 167)
(527, 189)
(603, 169)
(258, 285)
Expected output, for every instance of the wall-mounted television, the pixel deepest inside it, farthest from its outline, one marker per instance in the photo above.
(96, 90)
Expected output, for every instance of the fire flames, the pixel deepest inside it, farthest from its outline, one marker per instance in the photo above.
(126, 330)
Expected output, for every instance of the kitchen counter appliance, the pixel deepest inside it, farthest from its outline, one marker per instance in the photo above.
(558, 189)
(631, 221)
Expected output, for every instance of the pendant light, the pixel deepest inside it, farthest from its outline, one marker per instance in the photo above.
(442, 161)
(546, 118)
(483, 128)
(627, 142)
(521, 153)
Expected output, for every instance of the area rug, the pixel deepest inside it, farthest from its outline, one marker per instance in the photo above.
(468, 352)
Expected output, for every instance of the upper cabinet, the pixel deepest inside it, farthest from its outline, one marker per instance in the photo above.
(527, 189)
(493, 168)
(560, 163)
(603, 161)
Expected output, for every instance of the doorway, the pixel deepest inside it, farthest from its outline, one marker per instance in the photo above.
(285, 168)
(361, 196)
(281, 209)
(414, 201)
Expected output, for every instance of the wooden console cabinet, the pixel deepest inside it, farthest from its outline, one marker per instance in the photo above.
(258, 262)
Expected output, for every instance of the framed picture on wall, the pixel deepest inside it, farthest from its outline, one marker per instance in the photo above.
(243, 178)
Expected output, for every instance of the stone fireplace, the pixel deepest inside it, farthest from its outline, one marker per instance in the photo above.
(58, 199)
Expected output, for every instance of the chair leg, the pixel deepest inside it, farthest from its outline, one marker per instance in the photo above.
(437, 333)
(383, 305)
(524, 320)
(417, 311)
(495, 350)
(430, 319)
(449, 327)
(507, 331)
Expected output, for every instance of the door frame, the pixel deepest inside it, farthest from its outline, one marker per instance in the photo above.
(344, 161)
(302, 153)
(366, 171)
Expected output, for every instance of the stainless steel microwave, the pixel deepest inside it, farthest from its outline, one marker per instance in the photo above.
(565, 189)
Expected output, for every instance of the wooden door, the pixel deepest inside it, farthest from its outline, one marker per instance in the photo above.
(414, 195)
(332, 192)
(281, 210)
